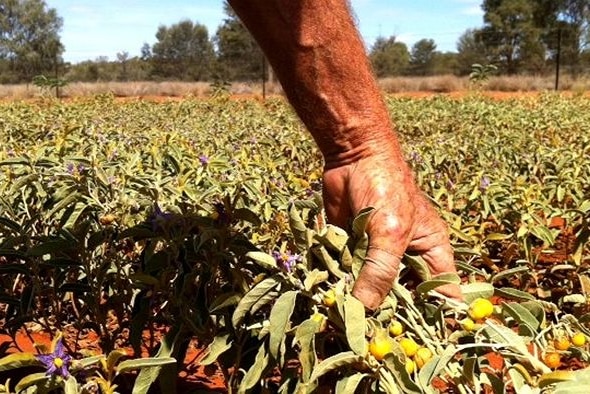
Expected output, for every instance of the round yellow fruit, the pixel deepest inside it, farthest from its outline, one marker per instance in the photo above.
(410, 366)
(395, 328)
(380, 346)
(330, 298)
(579, 339)
(409, 346)
(422, 356)
(561, 343)
(107, 219)
(468, 324)
(552, 360)
(480, 308)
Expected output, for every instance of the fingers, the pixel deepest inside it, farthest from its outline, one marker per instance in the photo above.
(432, 242)
(388, 238)
(376, 277)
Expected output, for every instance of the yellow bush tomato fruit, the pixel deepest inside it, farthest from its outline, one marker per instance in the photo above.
(480, 308)
(396, 328)
(552, 360)
(422, 356)
(380, 346)
(321, 320)
(579, 339)
(107, 219)
(410, 366)
(468, 324)
(409, 346)
(561, 343)
(330, 298)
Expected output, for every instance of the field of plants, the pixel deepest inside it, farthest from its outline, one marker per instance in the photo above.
(149, 225)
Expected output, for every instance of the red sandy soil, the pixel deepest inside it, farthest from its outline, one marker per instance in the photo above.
(193, 378)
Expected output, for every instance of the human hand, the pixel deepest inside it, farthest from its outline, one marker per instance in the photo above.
(403, 220)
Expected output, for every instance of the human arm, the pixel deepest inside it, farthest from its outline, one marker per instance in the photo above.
(319, 58)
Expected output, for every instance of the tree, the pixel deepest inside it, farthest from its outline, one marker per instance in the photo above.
(444, 63)
(422, 57)
(470, 50)
(510, 34)
(389, 57)
(183, 51)
(123, 59)
(29, 39)
(239, 57)
(573, 31)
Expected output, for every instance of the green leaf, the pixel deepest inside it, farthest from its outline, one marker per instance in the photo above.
(280, 316)
(355, 325)
(86, 362)
(329, 262)
(436, 365)
(223, 301)
(562, 376)
(417, 263)
(49, 247)
(167, 373)
(439, 280)
(255, 372)
(509, 272)
(333, 238)
(333, 363)
(360, 222)
(219, 346)
(71, 385)
(298, 228)
(315, 277)
(18, 360)
(252, 297)
(264, 260)
(473, 291)
(349, 383)
(113, 358)
(247, 215)
(397, 370)
(514, 294)
(305, 338)
(44, 382)
(20, 269)
(525, 318)
(139, 363)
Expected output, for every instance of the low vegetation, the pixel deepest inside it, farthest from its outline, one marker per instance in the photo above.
(204, 216)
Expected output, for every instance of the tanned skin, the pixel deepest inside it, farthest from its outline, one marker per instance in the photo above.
(319, 58)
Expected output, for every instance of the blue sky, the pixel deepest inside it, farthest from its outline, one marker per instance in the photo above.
(103, 28)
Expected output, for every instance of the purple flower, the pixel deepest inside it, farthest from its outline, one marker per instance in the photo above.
(204, 160)
(56, 363)
(70, 168)
(286, 260)
(484, 183)
(159, 218)
(416, 158)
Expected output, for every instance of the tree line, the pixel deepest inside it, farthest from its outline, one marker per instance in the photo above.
(517, 37)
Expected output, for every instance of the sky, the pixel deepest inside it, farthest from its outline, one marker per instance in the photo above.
(104, 28)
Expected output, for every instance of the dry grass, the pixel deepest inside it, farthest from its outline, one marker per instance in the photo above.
(438, 84)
